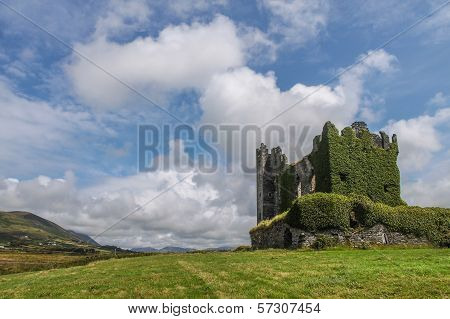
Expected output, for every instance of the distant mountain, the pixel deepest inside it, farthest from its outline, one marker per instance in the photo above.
(168, 249)
(145, 250)
(84, 238)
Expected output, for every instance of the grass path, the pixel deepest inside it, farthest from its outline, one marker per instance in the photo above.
(387, 273)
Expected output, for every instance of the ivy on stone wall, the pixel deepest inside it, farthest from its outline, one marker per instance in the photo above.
(430, 222)
(346, 164)
(288, 188)
(322, 211)
(321, 162)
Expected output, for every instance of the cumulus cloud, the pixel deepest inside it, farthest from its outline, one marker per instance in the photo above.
(204, 210)
(439, 100)
(67, 19)
(122, 17)
(34, 131)
(243, 96)
(209, 57)
(295, 22)
(424, 159)
(194, 213)
(259, 48)
(183, 8)
(171, 206)
(182, 56)
(433, 187)
(419, 138)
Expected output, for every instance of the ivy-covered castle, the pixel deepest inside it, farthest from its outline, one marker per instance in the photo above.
(346, 192)
(353, 162)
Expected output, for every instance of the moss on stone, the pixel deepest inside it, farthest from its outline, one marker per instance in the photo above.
(268, 223)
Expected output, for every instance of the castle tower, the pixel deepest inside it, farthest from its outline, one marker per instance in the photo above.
(357, 161)
(269, 167)
(354, 161)
(261, 159)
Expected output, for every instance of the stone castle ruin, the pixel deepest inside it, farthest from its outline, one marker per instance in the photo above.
(352, 185)
(335, 165)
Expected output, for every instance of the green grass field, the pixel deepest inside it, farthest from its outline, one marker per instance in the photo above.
(339, 273)
(18, 261)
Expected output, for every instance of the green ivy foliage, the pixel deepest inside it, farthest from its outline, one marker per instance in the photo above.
(322, 211)
(346, 164)
(430, 222)
(288, 189)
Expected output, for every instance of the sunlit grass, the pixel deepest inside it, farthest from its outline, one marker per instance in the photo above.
(339, 273)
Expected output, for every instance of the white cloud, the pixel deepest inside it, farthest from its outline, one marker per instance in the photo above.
(205, 210)
(437, 27)
(185, 208)
(433, 187)
(296, 21)
(379, 14)
(122, 17)
(242, 96)
(194, 213)
(67, 19)
(439, 100)
(34, 131)
(372, 109)
(419, 138)
(424, 159)
(183, 8)
(183, 56)
(383, 15)
(258, 46)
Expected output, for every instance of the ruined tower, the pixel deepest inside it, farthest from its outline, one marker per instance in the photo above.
(269, 168)
(354, 161)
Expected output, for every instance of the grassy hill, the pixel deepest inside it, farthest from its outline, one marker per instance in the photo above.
(84, 238)
(29, 243)
(27, 231)
(336, 273)
(16, 225)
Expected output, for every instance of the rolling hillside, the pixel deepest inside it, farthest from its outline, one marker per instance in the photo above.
(29, 231)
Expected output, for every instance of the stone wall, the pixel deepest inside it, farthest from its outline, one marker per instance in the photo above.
(269, 167)
(281, 235)
(304, 177)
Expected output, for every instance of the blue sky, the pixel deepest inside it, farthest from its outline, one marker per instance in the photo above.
(69, 131)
